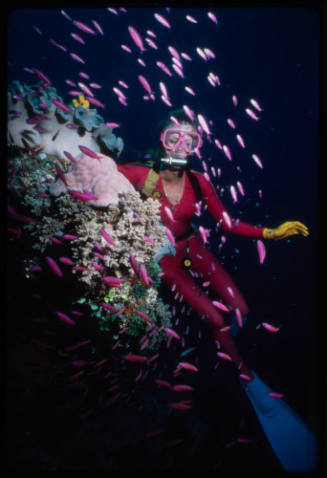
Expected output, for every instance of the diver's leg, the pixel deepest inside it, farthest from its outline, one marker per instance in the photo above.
(204, 262)
(198, 300)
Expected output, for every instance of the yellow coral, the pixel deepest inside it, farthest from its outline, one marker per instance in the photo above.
(81, 102)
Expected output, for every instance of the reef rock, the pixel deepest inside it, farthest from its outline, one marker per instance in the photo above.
(98, 176)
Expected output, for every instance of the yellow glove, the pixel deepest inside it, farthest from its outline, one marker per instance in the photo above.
(286, 229)
(81, 101)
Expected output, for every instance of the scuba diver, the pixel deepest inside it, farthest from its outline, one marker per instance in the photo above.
(181, 191)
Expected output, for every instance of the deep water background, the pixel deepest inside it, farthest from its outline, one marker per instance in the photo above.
(271, 54)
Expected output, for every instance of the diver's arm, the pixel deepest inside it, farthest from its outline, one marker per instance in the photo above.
(216, 210)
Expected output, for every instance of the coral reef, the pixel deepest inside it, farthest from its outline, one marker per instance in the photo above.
(39, 118)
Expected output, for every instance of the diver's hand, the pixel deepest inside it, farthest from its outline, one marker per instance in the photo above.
(286, 229)
(166, 249)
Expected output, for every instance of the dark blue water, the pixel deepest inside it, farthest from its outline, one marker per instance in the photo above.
(271, 54)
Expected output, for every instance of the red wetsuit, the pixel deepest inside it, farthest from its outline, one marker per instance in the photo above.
(203, 262)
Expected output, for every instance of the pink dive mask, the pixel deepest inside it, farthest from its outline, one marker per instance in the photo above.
(172, 138)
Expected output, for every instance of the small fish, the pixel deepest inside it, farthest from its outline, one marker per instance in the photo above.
(112, 281)
(37, 30)
(209, 53)
(58, 45)
(182, 388)
(233, 193)
(107, 237)
(172, 333)
(179, 406)
(70, 83)
(55, 241)
(188, 366)
(235, 100)
(114, 11)
(108, 307)
(227, 219)
(252, 114)
(255, 104)
(260, 193)
(261, 251)
(239, 317)
(144, 82)
(151, 33)
(89, 152)
(123, 84)
(240, 140)
(69, 237)
(62, 106)
(231, 123)
(218, 144)
(77, 57)
(276, 395)
(67, 261)
(191, 19)
(126, 48)
(151, 43)
(227, 152)
(81, 196)
(161, 19)
(141, 62)
(220, 306)
(134, 358)
(54, 266)
(148, 239)
(144, 275)
(201, 53)
(166, 100)
(134, 264)
(85, 89)
(178, 70)
(162, 383)
(257, 160)
(82, 26)
(42, 76)
(164, 68)
(204, 234)
(95, 102)
(97, 26)
(169, 213)
(65, 318)
(70, 157)
(224, 356)
(170, 235)
(187, 351)
(65, 15)
(95, 85)
(270, 327)
(136, 37)
(55, 136)
(204, 124)
(189, 90)
(189, 113)
(240, 187)
(213, 17)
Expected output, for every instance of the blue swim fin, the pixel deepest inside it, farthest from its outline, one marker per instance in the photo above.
(292, 441)
(235, 327)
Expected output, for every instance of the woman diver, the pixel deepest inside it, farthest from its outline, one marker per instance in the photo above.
(180, 192)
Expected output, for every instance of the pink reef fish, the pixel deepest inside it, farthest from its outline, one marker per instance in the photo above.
(240, 140)
(82, 26)
(58, 45)
(151, 43)
(95, 102)
(255, 104)
(144, 275)
(261, 251)
(227, 152)
(135, 358)
(170, 235)
(70, 157)
(142, 315)
(257, 160)
(213, 17)
(81, 196)
(134, 264)
(78, 38)
(270, 327)
(85, 88)
(89, 152)
(187, 366)
(231, 123)
(107, 237)
(235, 100)
(62, 106)
(95, 85)
(238, 317)
(224, 356)
(240, 187)
(172, 333)
(161, 19)
(204, 124)
(276, 395)
(252, 114)
(164, 68)
(97, 26)
(189, 90)
(77, 57)
(169, 213)
(227, 219)
(67, 261)
(65, 318)
(144, 82)
(233, 193)
(220, 306)
(191, 19)
(54, 266)
(136, 37)
(182, 388)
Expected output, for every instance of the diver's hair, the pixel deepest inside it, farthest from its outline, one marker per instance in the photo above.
(181, 117)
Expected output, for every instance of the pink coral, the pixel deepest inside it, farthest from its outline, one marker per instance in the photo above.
(98, 176)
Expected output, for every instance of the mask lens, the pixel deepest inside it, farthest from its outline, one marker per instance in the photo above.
(173, 138)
